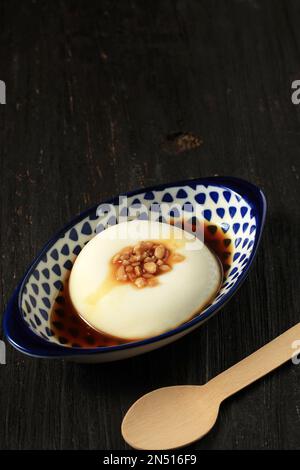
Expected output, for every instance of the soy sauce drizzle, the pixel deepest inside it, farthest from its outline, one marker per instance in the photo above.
(71, 330)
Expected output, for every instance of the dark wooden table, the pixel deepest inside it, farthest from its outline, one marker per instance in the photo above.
(97, 94)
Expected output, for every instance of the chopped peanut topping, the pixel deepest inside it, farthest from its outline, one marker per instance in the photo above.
(121, 274)
(165, 267)
(142, 263)
(150, 267)
(159, 252)
(140, 282)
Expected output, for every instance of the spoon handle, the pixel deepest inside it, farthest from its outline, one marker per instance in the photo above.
(258, 364)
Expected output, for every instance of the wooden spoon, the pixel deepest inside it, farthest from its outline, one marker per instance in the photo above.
(173, 417)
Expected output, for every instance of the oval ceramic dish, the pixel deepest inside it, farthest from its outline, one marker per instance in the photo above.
(238, 207)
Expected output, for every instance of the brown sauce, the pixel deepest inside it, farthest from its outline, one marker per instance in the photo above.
(217, 241)
(70, 330)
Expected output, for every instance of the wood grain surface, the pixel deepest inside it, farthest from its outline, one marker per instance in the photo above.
(99, 94)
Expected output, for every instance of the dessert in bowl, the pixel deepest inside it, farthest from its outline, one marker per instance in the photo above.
(144, 282)
(93, 295)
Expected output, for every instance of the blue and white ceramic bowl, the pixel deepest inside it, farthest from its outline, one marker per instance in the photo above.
(237, 206)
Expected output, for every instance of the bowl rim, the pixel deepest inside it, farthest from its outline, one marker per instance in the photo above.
(40, 347)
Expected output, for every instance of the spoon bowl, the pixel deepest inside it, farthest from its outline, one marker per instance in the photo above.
(170, 417)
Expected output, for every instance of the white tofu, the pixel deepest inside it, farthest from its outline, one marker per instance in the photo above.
(124, 311)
